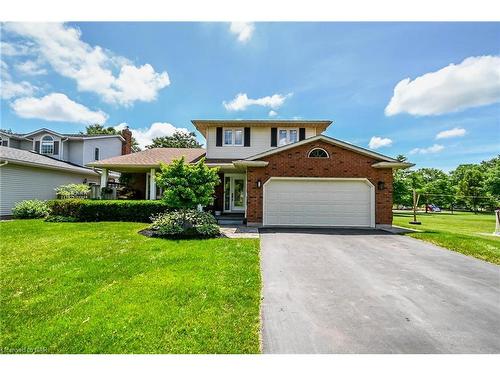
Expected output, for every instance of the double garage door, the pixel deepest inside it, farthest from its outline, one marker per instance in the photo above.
(319, 202)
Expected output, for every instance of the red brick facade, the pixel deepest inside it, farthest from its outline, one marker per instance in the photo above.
(342, 163)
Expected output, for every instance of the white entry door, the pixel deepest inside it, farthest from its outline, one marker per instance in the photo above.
(234, 192)
(321, 202)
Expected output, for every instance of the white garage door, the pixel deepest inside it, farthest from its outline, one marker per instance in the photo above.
(319, 202)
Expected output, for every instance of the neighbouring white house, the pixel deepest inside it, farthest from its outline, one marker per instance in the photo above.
(32, 165)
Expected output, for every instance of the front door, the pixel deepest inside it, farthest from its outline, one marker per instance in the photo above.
(234, 192)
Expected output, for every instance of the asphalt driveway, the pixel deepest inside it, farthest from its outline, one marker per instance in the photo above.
(348, 291)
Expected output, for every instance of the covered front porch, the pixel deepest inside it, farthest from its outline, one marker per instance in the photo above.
(140, 181)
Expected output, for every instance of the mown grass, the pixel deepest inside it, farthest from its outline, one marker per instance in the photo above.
(103, 288)
(464, 232)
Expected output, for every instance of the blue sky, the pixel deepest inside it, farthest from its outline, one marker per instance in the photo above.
(157, 76)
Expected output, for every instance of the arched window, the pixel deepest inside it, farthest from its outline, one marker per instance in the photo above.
(318, 153)
(47, 147)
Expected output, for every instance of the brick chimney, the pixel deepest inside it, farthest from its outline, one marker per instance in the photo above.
(127, 145)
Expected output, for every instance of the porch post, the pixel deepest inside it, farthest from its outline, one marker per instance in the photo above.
(152, 185)
(104, 178)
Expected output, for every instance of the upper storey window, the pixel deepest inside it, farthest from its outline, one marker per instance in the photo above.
(233, 137)
(47, 145)
(4, 142)
(286, 136)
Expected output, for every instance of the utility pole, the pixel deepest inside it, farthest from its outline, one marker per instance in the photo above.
(415, 204)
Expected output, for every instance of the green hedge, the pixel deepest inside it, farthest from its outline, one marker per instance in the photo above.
(107, 210)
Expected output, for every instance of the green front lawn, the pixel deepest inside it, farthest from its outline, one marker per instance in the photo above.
(103, 288)
(464, 232)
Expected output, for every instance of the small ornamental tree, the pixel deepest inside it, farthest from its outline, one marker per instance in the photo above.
(187, 185)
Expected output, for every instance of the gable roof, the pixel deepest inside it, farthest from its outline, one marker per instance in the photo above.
(69, 135)
(319, 125)
(324, 138)
(150, 158)
(33, 159)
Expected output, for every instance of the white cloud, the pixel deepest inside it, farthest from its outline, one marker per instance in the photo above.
(242, 101)
(18, 49)
(31, 68)
(474, 82)
(377, 142)
(272, 113)
(114, 78)
(243, 30)
(429, 150)
(145, 136)
(455, 132)
(57, 107)
(10, 89)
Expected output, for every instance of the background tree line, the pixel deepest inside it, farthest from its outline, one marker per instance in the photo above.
(469, 186)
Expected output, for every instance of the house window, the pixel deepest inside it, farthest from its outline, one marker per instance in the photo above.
(286, 136)
(96, 153)
(47, 145)
(317, 153)
(4, 142)
(233, 137)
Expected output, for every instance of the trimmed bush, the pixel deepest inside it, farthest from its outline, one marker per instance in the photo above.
(31, 209)
(73, 191)
(107, 210)
(184, 224)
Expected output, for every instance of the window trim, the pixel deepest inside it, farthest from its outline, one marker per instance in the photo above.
(287, 130)
(318, 157)
(233, 137)
(42, 142)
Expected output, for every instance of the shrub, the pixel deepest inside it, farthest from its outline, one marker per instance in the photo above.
(187, 185)
(31, 209)
(107, 210)
(184, 224)
(72, 191)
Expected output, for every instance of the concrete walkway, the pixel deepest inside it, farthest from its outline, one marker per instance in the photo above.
(348, 291)
(239, 231)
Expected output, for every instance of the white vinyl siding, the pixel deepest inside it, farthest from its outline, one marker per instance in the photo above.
(108, 148)
(319, 202)
(18, 183)
(260, 141)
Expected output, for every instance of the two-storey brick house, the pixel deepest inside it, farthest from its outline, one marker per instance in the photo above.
(281, 173)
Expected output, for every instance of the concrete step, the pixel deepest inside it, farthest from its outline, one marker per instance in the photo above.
(229, 221)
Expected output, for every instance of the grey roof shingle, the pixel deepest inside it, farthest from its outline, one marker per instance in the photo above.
(16, 156)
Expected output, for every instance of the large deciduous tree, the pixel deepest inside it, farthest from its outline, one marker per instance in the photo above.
(179, 139)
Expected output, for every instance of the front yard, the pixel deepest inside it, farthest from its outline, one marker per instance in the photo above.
(464, 232)
(103, 288)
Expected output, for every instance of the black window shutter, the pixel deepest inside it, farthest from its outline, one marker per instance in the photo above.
(56, 147)
(302, 134)
(37, 146)
(218, 137)
(274, 137)
(247, 137)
